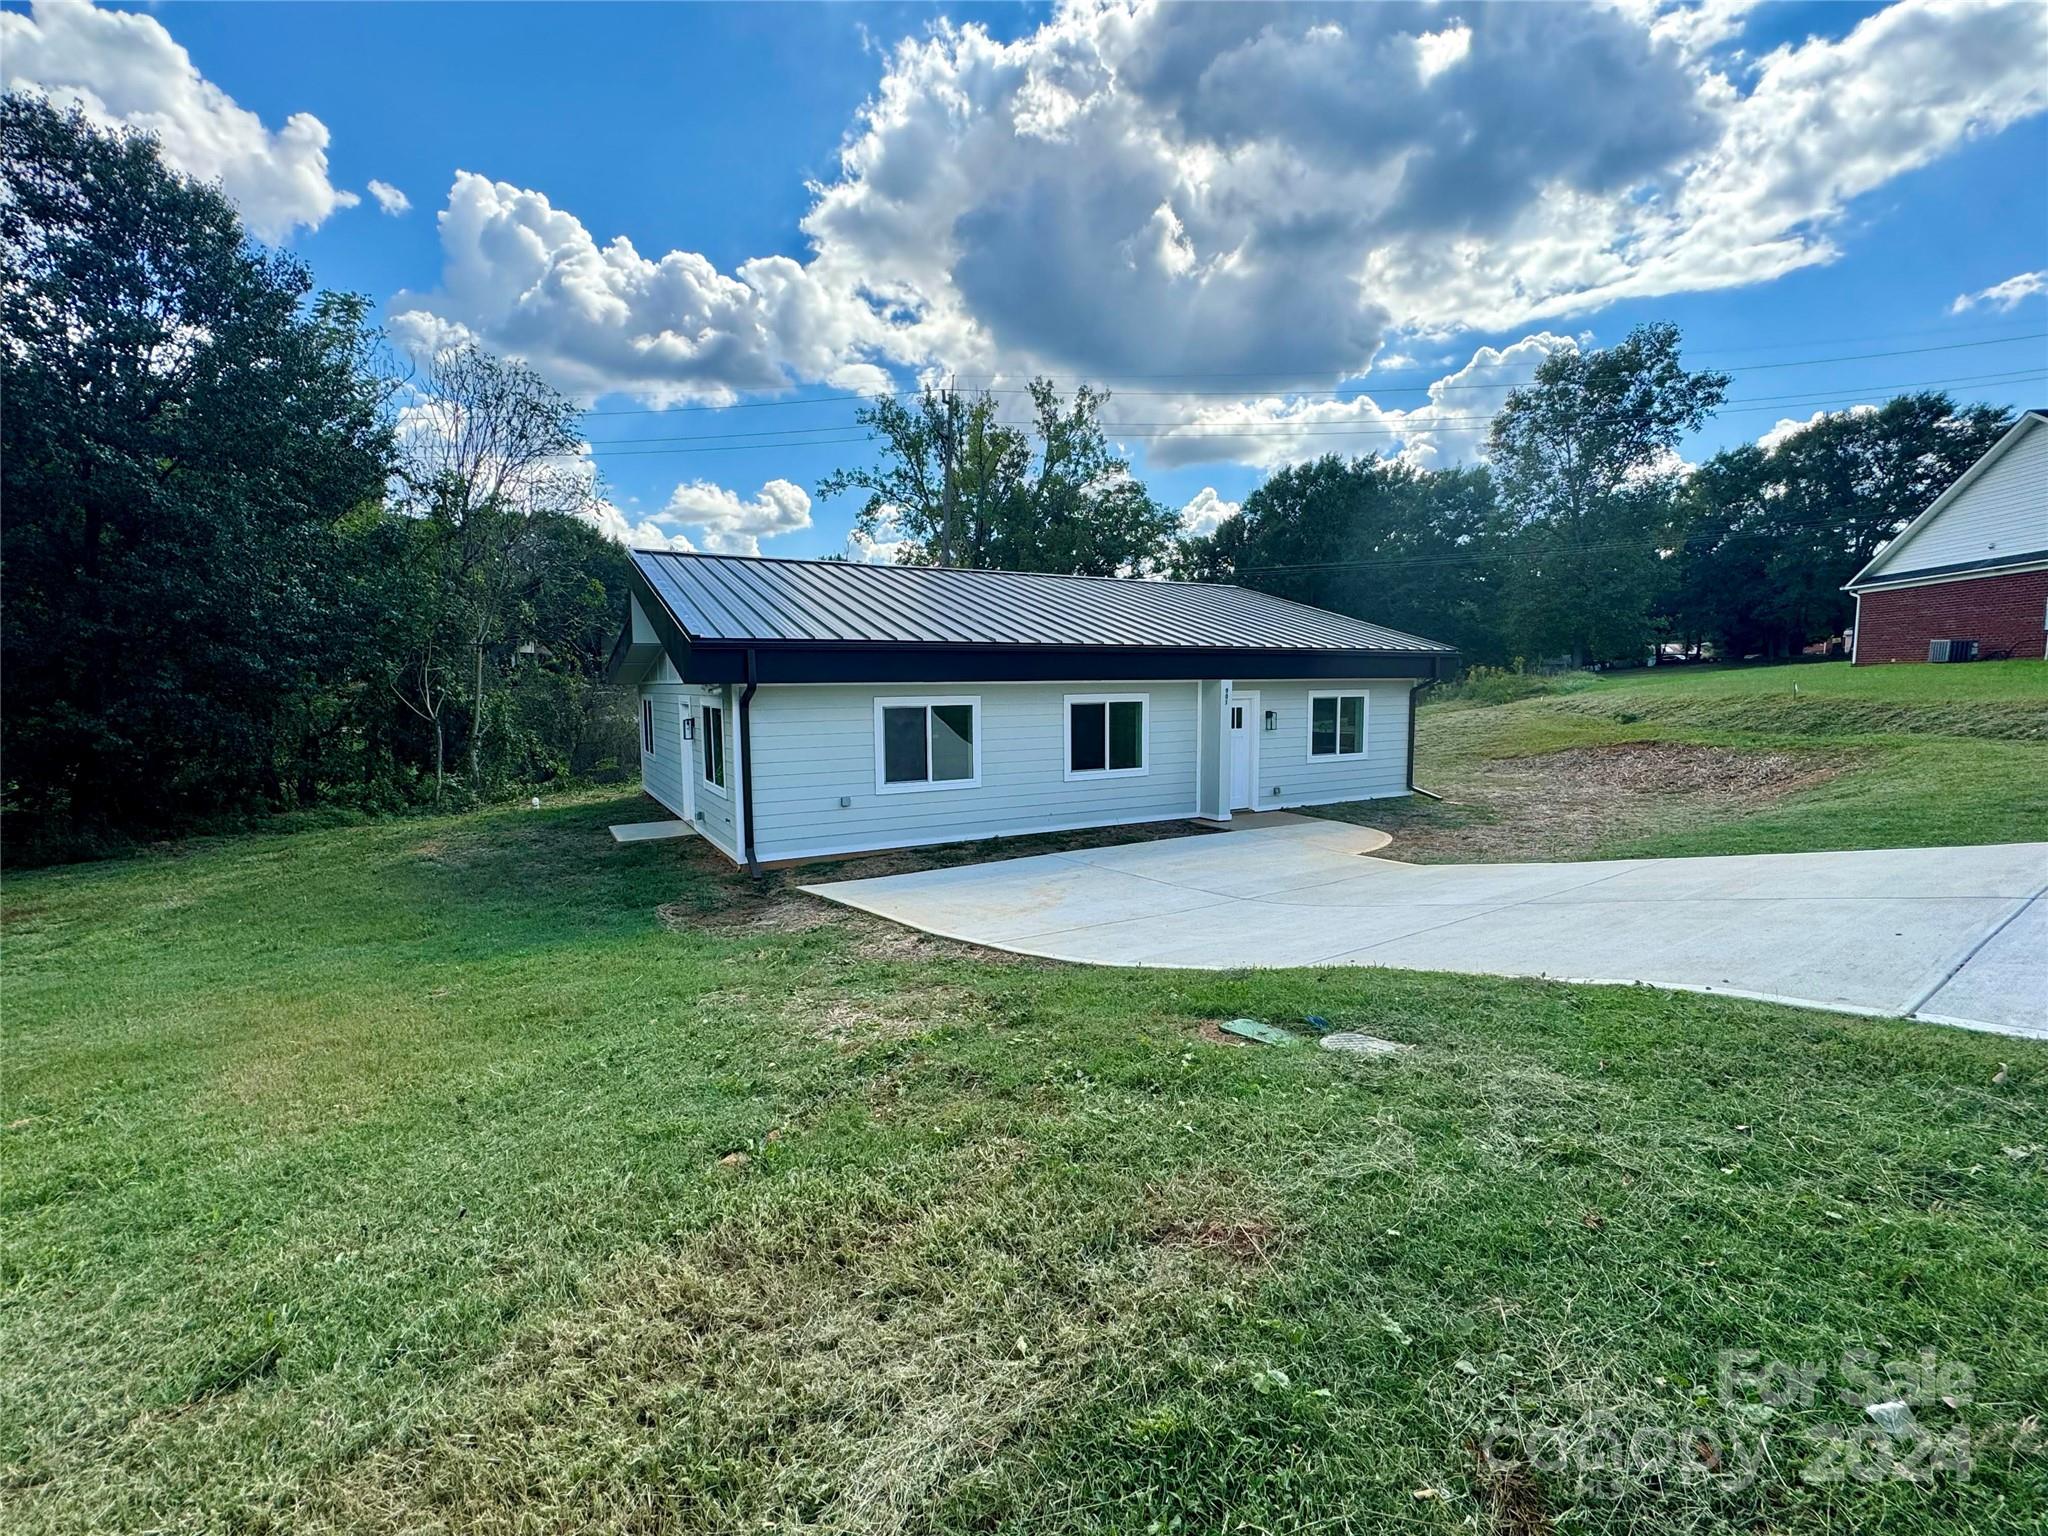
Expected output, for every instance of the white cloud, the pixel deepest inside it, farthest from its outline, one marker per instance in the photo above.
(1204, 512)
(125, 70)
(1450, 427)
(1789, 427)
(731, 525)
(2003, 297)
(614, 524)
(389, 198)
(1260, 193)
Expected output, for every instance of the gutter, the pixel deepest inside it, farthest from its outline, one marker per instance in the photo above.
(747, 855)
(1415, 693)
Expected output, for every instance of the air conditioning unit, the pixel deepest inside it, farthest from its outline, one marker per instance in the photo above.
(1951, 650)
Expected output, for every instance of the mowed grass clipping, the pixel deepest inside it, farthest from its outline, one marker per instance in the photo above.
(476, 1174)
(1870, 757)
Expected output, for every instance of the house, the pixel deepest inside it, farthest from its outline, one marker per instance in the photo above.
(797, 709)
(1972, 567)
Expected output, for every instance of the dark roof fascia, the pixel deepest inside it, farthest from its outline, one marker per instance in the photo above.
(1987, 565)
(673, 638)
(806, 662)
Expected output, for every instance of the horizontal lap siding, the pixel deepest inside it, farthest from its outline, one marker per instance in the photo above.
(2003, 512)
(662, 774)
(1284, 762)
(813, 744)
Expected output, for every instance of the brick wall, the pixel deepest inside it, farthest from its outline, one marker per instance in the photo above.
(1995, 611)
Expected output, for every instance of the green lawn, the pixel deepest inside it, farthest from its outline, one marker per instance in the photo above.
(1861, 757)
(475, 1174)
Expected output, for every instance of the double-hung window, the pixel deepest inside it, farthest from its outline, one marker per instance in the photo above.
(927, 744)
(711, 738)
(1336, 725)
(1107, 735)
(647, 727)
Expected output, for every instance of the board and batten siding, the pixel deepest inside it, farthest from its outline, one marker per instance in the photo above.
(661, 774)
(815, 743)
(2003, 511)
(1289, 776)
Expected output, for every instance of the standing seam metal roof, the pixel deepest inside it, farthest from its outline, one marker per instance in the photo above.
(738, 599)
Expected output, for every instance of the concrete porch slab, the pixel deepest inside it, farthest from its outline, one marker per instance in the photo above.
(651, 831)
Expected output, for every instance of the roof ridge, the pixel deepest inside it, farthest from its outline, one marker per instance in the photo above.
(953, 570)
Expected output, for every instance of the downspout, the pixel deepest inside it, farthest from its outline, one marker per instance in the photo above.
(747, 770)
(1415, 693)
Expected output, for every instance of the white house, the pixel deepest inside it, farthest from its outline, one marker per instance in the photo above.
(1972, 567)
(797, 709)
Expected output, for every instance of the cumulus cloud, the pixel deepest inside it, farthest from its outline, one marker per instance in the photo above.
(389, 198)
(2003, 297)
(1204, 512)
(523, 276)
(125, 70)
(1269, 194)
(1448, 428)
(734, 525)
(890, 548)
(1789, 427)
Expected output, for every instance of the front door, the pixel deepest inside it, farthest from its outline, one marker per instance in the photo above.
(1244, 751)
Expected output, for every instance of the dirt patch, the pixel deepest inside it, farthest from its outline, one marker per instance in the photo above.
(1512, 1497)
(1209, 1032)
(1564, 805)
(855, 1022)
(1243, 1240)
(768, 911)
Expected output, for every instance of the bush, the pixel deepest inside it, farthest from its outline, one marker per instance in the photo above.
(1495, 685)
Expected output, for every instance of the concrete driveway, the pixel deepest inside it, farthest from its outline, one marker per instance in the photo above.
(1955, 935)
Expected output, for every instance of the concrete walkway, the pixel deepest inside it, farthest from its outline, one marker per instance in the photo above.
(1956, 935)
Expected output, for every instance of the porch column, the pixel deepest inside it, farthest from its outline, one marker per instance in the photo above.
(1212, 752)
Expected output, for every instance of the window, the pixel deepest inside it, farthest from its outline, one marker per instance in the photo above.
(647, 727)
(1106, 735)
(927, 744)
(711, 733)
(1336, 725)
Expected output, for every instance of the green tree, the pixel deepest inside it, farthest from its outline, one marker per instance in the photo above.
(1771, 536)
(965, 488)
(184, 429)
(1584, 461)
(1420, 550)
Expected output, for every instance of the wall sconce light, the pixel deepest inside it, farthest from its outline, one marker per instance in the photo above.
(1272, 719)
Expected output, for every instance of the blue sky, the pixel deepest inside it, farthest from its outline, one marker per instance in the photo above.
(1267, 231)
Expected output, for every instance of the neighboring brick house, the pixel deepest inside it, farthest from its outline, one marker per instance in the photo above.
(1973, 566)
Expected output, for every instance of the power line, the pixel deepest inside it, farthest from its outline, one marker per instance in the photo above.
(714, 442)
(1277, 427)
(1384, 385)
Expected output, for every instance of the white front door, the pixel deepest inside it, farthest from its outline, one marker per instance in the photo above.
(1244, 751)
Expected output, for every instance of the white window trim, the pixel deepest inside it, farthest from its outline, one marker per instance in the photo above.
(1364, 723)
(701, 757)
(926, 785)
(1144, 735)
(646, 727)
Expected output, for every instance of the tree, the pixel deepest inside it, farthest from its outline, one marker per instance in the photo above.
(1770, 537)
(1420, 550)
(1584, 461)
(966, 488)
(486, 457)
(184, 429)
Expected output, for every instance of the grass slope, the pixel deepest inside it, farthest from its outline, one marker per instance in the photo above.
(1906, 756)
(476, 1174)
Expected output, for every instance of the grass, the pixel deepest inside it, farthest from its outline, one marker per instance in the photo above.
(1860, 757)
(476, 1174)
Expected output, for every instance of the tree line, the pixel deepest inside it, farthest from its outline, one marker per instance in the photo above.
(251, 564)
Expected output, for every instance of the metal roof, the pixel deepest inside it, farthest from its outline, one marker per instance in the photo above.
(746, 600)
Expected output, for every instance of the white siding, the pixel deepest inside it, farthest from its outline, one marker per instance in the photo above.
(2004, 511)
(814, 744)
(1289, 776)
(662, 773)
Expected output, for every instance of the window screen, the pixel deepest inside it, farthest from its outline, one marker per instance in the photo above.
(1336, 725)
(1105, 736)
(711, 735)
(928, 743)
